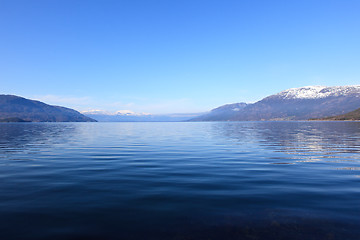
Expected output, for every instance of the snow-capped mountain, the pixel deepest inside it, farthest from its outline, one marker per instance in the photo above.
(314, 92)
(130, 116)
(117, 113)
(130, 113)
(295, 104)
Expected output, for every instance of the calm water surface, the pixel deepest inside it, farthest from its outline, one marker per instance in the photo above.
(217, 180)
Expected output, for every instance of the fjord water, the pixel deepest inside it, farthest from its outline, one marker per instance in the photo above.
(212, 180)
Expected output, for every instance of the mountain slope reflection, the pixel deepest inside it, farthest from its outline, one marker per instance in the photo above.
(30, 137)
(303, 141)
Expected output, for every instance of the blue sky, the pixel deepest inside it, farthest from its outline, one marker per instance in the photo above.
(166, 56)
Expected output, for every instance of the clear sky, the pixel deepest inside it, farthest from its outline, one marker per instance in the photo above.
(167, 56)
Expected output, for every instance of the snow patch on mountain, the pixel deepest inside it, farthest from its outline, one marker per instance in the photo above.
(118, 113)
(314, 92)
(130, 113)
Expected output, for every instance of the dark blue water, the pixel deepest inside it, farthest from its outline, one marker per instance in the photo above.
(219, 180)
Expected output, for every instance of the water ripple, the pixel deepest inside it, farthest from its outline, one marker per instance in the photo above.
(241, 180)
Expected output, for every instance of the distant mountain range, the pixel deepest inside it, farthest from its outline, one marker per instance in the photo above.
(313, 102)
(292, 104)
(129, 116)
(19, 109)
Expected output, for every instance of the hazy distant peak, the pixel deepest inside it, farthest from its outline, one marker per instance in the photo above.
(119, 112)
(233, 107)
(313, 92)
(96, 112)
(130, 113)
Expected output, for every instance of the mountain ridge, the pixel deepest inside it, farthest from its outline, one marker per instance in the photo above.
(316, 92)
(219, 113)
(138, 117)
(12, 107)
(295, 104)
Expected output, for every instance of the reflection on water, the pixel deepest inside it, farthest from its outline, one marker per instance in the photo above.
(220, 180)
(21, 136)
(304, 141)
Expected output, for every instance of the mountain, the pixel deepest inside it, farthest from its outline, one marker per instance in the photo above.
(351, 116)
(14, 108)
(295, 104)
(221, 113)
(129, 116)
(13, 119)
